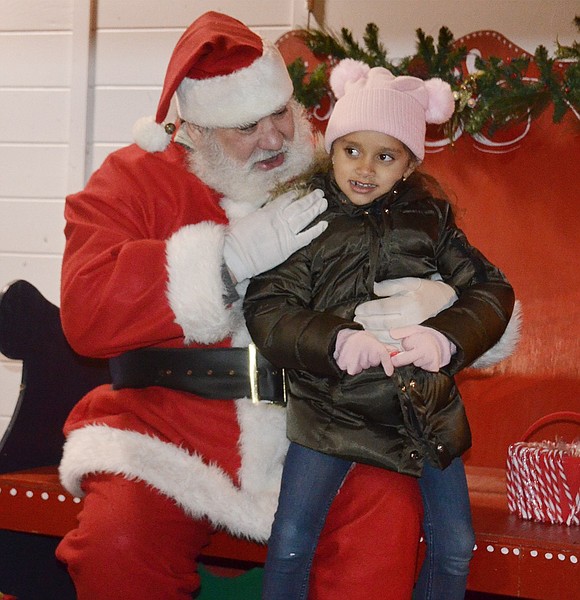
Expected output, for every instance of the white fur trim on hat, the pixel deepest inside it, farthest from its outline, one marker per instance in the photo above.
(240, 98)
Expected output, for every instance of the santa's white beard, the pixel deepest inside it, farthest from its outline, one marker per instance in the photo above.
(243, 183)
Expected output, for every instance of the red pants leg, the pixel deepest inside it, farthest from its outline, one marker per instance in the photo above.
(132, 543)
(368, 548)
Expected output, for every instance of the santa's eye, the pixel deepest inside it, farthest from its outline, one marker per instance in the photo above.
(248, 128)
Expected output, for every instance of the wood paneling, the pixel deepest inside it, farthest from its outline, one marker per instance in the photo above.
(35, 15)
(42, 270)
(10, 374)
(155, 14)
(34, 59)
(33, 171)
(31, 227)
(35, 116)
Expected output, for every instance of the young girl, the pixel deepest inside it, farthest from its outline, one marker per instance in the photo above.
(351, 396)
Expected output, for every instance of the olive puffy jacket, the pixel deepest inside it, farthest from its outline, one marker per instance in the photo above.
(294, 313)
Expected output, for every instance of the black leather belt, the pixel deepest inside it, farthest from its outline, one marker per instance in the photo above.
(213, 373)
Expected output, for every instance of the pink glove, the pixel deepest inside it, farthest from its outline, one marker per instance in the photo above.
(358, 350)
(422, 346)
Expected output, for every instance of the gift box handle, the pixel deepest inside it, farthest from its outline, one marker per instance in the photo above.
(564, 415)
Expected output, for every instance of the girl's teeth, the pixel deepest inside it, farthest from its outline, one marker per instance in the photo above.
(360, 184)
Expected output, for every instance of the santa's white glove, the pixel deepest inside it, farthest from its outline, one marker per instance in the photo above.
(423, 347)
(357, 350)
(264, 239)
(404, 301)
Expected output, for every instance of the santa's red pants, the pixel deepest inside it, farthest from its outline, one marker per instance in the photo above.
(133, 543)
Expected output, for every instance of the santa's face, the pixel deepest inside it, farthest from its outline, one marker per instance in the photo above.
(261, 142)
(245, 164)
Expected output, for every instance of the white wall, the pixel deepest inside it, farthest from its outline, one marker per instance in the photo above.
(76, 74)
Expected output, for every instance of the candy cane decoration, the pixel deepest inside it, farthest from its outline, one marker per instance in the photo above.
(537, 484)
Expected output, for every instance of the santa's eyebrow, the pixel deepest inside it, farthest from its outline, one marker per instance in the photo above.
(247, 126)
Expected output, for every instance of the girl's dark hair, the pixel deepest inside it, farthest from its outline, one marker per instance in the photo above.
(431, 185)
(424, 180)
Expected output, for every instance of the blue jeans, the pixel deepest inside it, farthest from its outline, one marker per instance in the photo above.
(448, 533)
(309, 483)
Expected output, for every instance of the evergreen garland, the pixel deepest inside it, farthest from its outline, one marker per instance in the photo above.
(498, 94)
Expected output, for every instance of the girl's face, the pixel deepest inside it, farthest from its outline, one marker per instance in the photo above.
(367, 164)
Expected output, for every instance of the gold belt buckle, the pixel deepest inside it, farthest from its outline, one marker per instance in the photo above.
(253, 373)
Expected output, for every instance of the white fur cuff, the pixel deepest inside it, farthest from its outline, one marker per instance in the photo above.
(195, 288)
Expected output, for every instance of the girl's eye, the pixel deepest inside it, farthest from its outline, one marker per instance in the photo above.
(351, 151)
(385, 157)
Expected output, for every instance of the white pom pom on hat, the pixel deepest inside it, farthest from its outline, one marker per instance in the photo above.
(150, 135)
(223, 75)
(373, 99)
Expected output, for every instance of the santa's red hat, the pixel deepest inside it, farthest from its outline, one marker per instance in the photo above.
(224, 75)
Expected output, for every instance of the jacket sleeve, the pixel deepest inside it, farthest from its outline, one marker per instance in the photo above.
(485, 298)
(131, 269)
(285, 330)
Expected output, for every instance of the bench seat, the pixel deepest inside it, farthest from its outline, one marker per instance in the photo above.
(513, 557)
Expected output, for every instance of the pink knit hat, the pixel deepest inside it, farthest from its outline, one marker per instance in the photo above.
(223, 75)
(375, 100)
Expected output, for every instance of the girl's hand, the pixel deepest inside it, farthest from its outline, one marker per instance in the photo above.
(357, 350)
(423, 347)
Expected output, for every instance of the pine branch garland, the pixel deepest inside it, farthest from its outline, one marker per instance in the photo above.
(309, 90)
(497, 95)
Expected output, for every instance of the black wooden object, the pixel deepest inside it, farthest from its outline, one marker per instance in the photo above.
(54, 377)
